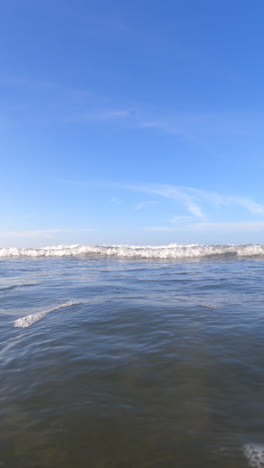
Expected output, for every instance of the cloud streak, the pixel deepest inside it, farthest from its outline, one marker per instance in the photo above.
(193, 198)
(225, 200)
(174, 193)
(162, 126)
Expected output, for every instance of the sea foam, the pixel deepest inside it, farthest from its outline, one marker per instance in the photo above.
(28, 320)
(171, 251)
(255, 455)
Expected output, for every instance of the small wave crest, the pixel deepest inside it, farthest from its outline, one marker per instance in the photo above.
(171, 251)
(28, 320)
(18, 285)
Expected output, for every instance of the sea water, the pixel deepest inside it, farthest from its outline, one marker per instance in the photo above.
(119, 356)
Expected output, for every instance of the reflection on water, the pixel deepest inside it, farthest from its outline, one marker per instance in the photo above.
(150, 364)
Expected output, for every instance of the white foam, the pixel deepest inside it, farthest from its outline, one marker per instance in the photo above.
(254, 454)
(171, 251)
(28, 320)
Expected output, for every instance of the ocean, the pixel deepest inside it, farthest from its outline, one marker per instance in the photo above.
(132, 357)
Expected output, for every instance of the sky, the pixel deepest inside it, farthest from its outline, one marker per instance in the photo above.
(131, 122)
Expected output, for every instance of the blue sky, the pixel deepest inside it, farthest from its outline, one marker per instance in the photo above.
(131, 122)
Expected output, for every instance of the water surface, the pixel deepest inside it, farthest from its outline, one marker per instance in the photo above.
(131, 362)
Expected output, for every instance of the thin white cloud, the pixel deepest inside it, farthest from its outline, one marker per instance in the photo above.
(193, 124)
(193, 208)
(201, 126)
(193, 198)
(174, 193)
(221, 199)
(254, 208)
(163, 126)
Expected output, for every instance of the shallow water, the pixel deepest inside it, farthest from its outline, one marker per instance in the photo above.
(131, 363)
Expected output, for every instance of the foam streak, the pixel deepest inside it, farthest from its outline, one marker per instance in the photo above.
(28, 320)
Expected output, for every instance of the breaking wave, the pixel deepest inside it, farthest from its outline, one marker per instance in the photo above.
(28, 320)
(171, 251)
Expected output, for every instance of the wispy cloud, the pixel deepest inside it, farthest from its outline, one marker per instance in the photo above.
(193, 199)
(174, 193)
(172, 128)
(69, 104)
(251, 206)
(222, 199)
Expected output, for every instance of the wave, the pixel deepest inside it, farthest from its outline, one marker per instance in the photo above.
(18, 285)
(171, 251)
(28, 320)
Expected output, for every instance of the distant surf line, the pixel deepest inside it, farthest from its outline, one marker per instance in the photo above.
(165, 252)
